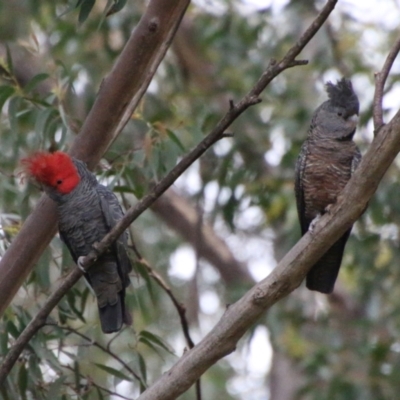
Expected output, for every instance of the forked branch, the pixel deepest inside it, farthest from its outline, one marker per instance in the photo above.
(380, 80)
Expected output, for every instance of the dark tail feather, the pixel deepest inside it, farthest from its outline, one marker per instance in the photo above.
(113, 316)
(323, 274)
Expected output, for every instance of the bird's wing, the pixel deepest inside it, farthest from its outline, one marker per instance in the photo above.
(64, 238)
(112, 213)
(299, 187)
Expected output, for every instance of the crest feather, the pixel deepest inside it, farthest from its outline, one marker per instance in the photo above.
(343, 95)
(51, 168)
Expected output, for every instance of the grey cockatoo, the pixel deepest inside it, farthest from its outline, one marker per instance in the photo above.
(326, 162)
(87, 211)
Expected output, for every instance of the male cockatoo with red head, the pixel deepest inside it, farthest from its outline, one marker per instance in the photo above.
(87, 211)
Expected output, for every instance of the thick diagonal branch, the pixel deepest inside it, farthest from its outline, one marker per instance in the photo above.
(289, 273)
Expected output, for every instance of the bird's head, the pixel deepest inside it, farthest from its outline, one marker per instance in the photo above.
(343, 98)
(56, 172)
(338, 116)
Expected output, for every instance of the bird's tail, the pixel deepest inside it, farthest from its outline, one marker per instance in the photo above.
(110, 292)
(112, 316)
(323, 274)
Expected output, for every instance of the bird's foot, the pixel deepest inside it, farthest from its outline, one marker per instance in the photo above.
(329, 208)
(97, 247)
(81, 263)
(314, 223)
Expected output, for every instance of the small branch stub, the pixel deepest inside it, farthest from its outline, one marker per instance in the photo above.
(296, 63)
(380, 80)
(254, 100)
(154, 24)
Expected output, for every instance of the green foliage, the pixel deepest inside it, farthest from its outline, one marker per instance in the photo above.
(85, 6)
(55, 56)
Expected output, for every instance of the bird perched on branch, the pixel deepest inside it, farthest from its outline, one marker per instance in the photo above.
(87, 211)
(326, 162)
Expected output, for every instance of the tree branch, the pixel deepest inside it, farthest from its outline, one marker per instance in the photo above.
(180, 308)
(118, 95)
(274, 69)
(289, 273)
(181, 216)
(380, 80)
(102, 348)
(288, 60)
(91, 383)
(37, 322)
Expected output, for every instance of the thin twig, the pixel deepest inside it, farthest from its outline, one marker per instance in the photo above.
(180, 308)
(200, 240)
(161, 282)
(92, 383)
(380, 80)
(289, 59)
(102, 348)
(37, 322)
(273, 70)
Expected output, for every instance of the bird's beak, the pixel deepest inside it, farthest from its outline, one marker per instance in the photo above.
(352, 121)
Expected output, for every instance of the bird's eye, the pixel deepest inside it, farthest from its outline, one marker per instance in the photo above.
(59, 182)
(340, 114)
